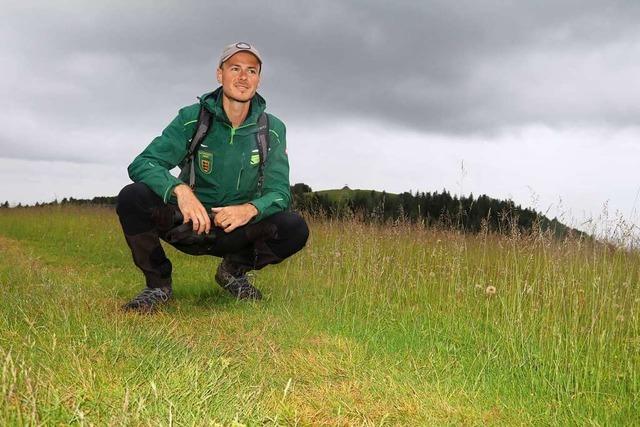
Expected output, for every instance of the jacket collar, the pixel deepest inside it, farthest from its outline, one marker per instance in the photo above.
(212, 101)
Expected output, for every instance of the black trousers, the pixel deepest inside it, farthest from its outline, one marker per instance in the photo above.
(146, 219)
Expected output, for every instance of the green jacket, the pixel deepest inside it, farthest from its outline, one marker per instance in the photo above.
(226, 163)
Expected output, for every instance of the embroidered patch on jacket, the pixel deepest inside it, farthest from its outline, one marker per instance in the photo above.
(205, 161)
(255, 159)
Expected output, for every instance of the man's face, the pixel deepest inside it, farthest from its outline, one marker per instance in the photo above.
(240, 76)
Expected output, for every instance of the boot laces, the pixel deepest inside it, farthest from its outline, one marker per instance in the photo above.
(150, 296)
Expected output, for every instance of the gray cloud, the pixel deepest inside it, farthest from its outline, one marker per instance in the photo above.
(84, 81)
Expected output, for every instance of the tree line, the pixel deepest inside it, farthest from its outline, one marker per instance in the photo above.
(467, 213)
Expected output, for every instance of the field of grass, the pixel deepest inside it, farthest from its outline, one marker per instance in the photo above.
(368, 325)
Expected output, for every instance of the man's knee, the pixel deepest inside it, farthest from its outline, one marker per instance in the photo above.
(135, 208)
(294, 227)
(131, 197)
(301, 227)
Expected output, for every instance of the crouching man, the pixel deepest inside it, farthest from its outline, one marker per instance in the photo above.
(231, 197)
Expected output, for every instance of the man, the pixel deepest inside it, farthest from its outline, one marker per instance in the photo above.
(238, 208)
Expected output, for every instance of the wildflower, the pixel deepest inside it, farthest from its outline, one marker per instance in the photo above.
(478, 286)
(491, 290)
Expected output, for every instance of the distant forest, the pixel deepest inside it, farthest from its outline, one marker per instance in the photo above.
(469, 214)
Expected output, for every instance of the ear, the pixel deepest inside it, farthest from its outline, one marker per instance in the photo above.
(219, 75)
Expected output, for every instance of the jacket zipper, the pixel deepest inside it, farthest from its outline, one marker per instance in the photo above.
(233, 131)
(240, 174)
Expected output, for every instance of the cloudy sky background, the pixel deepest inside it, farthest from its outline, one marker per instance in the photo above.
(534, 101)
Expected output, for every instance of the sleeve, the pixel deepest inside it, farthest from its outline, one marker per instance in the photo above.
(275, 195)
(165, 152)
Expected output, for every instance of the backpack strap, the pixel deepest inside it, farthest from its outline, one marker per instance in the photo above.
(205, 118)
(262, 141)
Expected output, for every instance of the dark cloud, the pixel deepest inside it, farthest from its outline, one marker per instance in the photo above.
(78, 74)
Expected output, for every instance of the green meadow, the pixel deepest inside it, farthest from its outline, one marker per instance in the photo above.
(369, 325)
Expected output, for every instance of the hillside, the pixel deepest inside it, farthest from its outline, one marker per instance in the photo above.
(466, 213)
(469, 214)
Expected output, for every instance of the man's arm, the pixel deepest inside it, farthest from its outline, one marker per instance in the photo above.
(165, 152)
(275, 196)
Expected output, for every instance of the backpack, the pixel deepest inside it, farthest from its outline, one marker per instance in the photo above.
(205, 118)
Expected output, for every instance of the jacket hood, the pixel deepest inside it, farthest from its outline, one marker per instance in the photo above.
(212, 101)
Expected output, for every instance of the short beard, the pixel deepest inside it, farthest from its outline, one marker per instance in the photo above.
(231, 98)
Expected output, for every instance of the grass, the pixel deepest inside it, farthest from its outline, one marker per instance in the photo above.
(368, 325)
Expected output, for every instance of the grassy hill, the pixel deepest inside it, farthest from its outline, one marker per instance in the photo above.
(343, 195)
(467, 213)
(370, 324)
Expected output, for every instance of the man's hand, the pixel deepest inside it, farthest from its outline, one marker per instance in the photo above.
(192, 209)
(231, 217)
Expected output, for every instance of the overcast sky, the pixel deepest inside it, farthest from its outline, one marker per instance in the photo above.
(534, 101)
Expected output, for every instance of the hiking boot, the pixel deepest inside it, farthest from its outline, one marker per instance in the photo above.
(148, 300)
(234, 279)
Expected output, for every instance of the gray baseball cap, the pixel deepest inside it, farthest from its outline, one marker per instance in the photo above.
(234, 48)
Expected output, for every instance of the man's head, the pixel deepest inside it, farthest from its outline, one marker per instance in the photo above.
(239, 71)
(234, 48)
